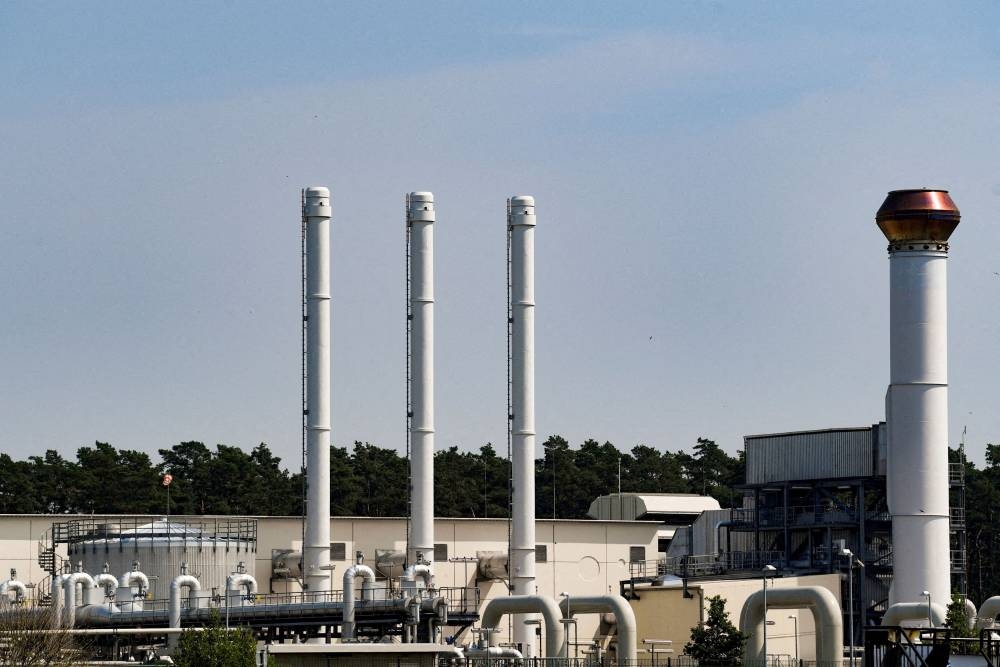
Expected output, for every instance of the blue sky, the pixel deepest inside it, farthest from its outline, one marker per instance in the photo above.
(706, 175)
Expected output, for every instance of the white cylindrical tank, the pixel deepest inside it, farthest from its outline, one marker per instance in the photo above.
(212, 548)
(420, 227)
(917, 224)
(316, 546)
(521, 227)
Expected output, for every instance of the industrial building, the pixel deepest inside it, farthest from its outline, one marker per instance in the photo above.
(867, 511)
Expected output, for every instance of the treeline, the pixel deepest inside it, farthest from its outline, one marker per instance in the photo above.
(366, 481)
(982, 514)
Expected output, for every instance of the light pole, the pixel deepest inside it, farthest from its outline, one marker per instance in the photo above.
(768, 570)
(851, 560)
(795, 622)
(930, 622)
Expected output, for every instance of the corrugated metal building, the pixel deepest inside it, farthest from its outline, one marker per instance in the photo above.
(826, 454)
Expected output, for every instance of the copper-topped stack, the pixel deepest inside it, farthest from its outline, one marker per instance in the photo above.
(918, 215)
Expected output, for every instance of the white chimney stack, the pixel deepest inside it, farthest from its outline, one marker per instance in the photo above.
(420, 228)
(521, 227)
(917, 224)
(316, 545)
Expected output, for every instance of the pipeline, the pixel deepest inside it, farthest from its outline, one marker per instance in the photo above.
(105, 582)
(193, 586)
(628, 645)
(555, 636)
(126, 599)
(988, 612)
(57, 600)
(356, 570)
(818, 600)
(916, 611)
(69, 593)
(18, 588)
(421, 570)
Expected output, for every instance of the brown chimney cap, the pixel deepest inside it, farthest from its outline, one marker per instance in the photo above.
(921, 202)
(918, 215)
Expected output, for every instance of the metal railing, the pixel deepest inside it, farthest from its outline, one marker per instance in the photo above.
(703, 565)
(956, 474)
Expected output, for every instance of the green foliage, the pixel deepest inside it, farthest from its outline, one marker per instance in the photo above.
(958, 617)
(371, 481)
(716, 641)
(215, 646)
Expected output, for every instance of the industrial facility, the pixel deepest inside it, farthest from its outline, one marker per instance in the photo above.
(840, 530)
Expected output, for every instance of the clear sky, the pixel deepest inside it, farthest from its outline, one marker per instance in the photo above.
(706, 175)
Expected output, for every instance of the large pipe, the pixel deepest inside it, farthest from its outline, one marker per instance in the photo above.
(57, 600)
(105, 586)
(420, 570)
(69, 595)
(917, 224)
(818, 600)
(555, 636)
(915, 611)
(420, 227)
(628, 644)
(193, 586)
(521, 227)
(13, 586)
(236, 584)
(316, 541)
(356, 570)
(988, 612)
(125, 597)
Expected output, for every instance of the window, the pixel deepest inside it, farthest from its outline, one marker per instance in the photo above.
(338, 550)
(440, 553)
(636, 554)
(541, 553)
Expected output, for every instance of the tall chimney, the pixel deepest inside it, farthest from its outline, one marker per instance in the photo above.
(521, 227)
(917, 224)
(316, 543)
(420, 228)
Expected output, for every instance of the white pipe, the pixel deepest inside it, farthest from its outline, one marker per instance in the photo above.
(555, 636)
(988, 612)
(420, 218)
(105, 586)
(237, 581)
(316, 545)
(970, 611)
(57, 600)
(914, 611)
(193, 586)
(628, 644)
(493, 652)
(19, 589)
(420, 570)
(69, 595)
(522, 305)
(818, 600)
(127, 600)
(356, 570)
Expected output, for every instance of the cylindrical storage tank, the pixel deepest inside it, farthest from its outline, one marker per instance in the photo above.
(211, 548)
